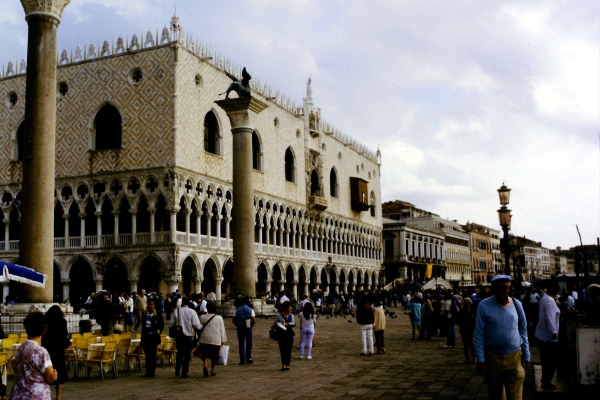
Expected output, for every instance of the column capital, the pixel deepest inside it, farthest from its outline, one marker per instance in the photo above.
(81, 215)
(219, 280)
(51, 8)
(66, 216)
(65, 281)
(241, 111)
(133, 280)
(99, 278)
(199, 279)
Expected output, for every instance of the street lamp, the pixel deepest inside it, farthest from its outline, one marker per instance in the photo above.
(504, 217)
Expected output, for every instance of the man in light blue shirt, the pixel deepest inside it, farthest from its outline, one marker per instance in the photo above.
(500, 340)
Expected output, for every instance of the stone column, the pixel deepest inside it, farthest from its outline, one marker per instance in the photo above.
(198, 283)
(99, 279)
(268, 285)
(82, 229)
(37, 206)
(116, 232)
(198, 230)
(227, 231)
(99, 227)
(218, 217)
(218, 281)
(188, 212)
(133, 285)
(306, 288)
(133, 212)
(152, 211)
(173, 282)
(5, 290)
(173, 224)
(241, 113)
(65, 283)
(66, 218)
(6, 235)
(295, 288)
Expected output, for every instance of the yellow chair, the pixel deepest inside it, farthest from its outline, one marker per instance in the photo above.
(75, 336)
(138, 335)
(126, 335)
(13, 336)
(91, 339)
(168, 350)
(88, 334)
(80, 351)
(122, 350)
(106, 339)
(23, 335)
(3, 361)
(106, 356)
(6, 343)
(22, 340)
(136, 352)
(116, 338)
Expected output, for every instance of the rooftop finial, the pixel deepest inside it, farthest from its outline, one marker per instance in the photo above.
(309, 89)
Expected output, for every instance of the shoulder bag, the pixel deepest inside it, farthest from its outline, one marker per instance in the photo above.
(196, 339)
(175, 329)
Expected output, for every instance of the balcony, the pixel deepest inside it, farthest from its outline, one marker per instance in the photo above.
(317, 203)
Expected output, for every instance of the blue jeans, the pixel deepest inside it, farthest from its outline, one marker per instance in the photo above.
(245, 343)
(451, 334)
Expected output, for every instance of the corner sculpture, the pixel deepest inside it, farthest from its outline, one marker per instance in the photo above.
(241, 88)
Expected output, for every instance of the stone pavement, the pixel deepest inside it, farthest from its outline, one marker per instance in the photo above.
(409, 370)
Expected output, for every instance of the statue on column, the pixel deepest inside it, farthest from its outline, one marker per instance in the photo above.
(241, 88)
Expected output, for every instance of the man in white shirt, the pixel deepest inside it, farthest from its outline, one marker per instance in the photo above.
(547, 333)
(187, 320)
(202, 304)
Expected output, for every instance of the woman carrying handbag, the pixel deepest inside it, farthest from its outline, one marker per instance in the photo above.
(212, 337)
(284, 324)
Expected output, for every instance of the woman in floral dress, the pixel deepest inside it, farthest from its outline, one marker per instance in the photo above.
(32, 364)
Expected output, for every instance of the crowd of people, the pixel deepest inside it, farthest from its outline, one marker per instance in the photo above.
(495, 329)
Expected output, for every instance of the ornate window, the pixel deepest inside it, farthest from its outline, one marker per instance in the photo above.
(333, 183)
(372, 204)
(212, 137)
(315, 185)
(290, 165)
(108, 128)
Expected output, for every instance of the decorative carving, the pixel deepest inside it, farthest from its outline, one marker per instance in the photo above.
(105, 49)
(165, 36)
(9, 69)
(23, 66)
(78, 54)
(64, 58)
(149, 39)
(135, 45)
(120, 45)
(54, 8)
(92, 51)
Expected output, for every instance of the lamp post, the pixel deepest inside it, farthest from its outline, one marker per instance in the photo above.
(505, 217)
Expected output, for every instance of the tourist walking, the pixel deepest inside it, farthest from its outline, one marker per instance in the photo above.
(546, 332)
(128, 321)
(365, 319)
(212, 337)
(466, 327)
(500, 339)
(450, 311)
(152, 326)
(379, 327)
(244, 319)
(308, 319)
(285, 337)
(141, 303)
(185, 320)
(103, 312)
(414, 313)
(32, 364)
(55, 341)
(426, 318)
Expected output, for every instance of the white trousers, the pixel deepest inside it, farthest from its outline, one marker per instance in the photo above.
(366, 337)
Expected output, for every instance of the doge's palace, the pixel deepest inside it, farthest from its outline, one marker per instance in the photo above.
(143, 192)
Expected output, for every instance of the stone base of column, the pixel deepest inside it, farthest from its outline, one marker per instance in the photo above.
(26, 308)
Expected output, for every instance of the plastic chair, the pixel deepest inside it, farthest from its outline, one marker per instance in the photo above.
(22, 340)
(138, 335)
(23, 335)
(91, 339)
(88, 334)
(106, 356)
(80, 351)
(3, 361)
(75, 336)
(6, 343)
(117, 338)
(136, 352)
(122, 350)
(126, 335)
(13, 336)
(168, 350)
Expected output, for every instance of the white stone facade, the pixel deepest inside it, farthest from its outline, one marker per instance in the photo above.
(155, 212)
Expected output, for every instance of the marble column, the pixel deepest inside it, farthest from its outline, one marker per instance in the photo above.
(152, 211)
(218, 281)
(133, 213)
(66, 223)
(65, 283)
(133, 285)
(6, 234)
(242, 112)
(198, 284)
(37, 204)
(295, 288)
(98, 215)
(99, 279)
(306, 288)
(268, 285)
(82, 229)
(5, 290)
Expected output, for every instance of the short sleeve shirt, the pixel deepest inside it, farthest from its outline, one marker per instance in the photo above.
(29, 364)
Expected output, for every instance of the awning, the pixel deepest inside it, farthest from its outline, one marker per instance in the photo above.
(18, 273)
(435, 282)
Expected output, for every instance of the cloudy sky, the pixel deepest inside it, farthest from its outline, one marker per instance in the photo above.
(460, 96)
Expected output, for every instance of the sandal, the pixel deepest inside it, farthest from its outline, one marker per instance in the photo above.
(205, 371)
(213, 373)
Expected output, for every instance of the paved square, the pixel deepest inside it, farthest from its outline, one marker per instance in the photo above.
(409, 370)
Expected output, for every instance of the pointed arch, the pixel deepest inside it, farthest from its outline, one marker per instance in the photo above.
(19, 141)
(290, 165)
(333, 183)
(315, 184)
(212, 134)
(257, 152)
(107, 128)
